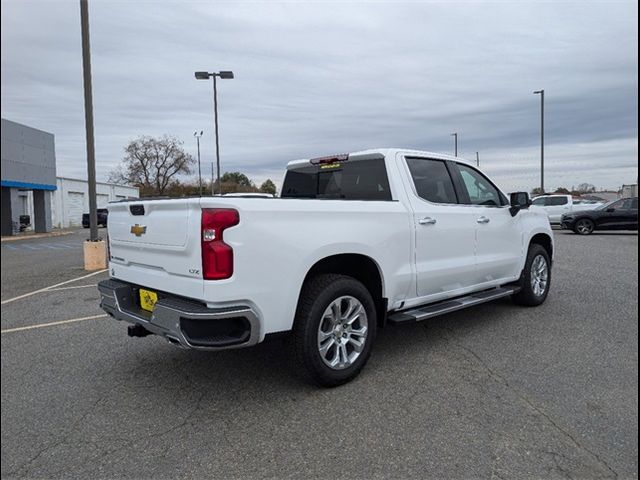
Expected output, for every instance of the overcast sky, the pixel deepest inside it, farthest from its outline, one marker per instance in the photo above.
(326, 77)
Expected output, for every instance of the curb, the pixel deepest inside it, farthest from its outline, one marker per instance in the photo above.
(37, 235)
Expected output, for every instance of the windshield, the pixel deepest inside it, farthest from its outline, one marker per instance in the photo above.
(606, 205)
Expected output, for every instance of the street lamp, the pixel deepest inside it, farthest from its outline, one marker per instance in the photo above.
(455, 135)
(214, 75)
(198, 135)
(541, 93)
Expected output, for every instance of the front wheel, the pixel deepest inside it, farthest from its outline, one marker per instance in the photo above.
(334, 329)
(536, 278)
(584, 226)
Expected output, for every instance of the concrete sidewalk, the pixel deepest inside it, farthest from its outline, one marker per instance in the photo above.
(32, 235)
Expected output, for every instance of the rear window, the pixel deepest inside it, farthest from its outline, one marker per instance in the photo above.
(348, 180)
(556, 201)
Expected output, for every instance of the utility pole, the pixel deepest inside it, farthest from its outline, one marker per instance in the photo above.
(195, 134)
(455, 135)
(541, 93)
(477, 159)
(212, 180)
(88, 120)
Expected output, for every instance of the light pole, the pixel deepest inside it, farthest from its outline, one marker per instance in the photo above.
(477, 159)
(455, 135)
(214, 75)
(88, 120)
(195, 134)
(541, 92)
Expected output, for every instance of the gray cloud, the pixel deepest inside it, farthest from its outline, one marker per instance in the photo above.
(323, 77)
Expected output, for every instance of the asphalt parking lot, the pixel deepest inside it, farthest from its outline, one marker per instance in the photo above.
(495, 392)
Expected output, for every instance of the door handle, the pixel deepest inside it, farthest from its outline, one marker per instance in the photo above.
(427, 221)
(483, 220)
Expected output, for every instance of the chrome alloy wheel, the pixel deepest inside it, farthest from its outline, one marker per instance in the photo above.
(584, 227)
(342, 332)
(539, 275)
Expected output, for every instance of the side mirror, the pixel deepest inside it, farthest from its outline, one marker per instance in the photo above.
(611, 210)
(519, 201)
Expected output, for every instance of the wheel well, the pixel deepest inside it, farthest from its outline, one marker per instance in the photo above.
(545, 241)
(360, 267)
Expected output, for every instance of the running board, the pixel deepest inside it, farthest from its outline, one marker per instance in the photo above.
(447, 306)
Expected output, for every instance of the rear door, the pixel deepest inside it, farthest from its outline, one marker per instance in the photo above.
(557, 206)
(444, 231)
(632, 216)
(499, 244)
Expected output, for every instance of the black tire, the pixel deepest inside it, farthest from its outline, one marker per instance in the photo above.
(527, 296)
(584, 226)
(317, 295)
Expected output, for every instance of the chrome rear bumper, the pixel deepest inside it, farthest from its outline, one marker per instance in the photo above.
(182, 322)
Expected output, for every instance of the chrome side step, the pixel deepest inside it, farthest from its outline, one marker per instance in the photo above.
(447, 306)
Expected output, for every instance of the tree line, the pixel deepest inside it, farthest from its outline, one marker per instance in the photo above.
(582, 189)
(157, 166)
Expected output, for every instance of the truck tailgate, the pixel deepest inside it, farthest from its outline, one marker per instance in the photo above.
(151, 242)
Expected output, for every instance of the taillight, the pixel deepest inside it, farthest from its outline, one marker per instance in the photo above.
(217, 256)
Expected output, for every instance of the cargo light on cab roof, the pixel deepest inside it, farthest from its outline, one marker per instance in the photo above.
(343, 157)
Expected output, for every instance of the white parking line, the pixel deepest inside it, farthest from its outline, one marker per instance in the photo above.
(71, 288)
(51, 324)
(4, 302)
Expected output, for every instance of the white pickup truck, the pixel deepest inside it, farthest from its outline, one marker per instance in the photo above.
(557, 205)
(355, 242)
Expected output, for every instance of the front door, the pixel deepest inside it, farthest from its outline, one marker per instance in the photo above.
(499, 244)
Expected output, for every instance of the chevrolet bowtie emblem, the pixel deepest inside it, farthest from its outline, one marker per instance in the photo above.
(138, 230)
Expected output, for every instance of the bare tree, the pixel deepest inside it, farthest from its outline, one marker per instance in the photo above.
(152, 163)
(586, 188)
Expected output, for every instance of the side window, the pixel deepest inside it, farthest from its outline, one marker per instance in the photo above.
(557, 201)
(620, 205)
(539, 202)
(479, 188)
(432, 180)
(628, 204)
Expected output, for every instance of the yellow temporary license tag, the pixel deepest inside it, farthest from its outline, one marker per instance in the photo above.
(148, 299)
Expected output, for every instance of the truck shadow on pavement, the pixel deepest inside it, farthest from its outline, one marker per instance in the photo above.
(268, 366)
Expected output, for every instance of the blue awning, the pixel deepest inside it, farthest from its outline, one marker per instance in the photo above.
(27, 186)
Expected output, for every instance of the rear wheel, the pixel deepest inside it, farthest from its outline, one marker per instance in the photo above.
(334, 329)
(584, 226)
(536, 278)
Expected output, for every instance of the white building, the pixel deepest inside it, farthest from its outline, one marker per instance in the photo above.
(71, 199)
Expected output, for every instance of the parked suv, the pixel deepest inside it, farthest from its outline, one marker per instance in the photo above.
(103, 214)
(558, 205)
(357, 242)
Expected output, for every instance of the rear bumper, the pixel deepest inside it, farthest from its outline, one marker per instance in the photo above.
(182, 322)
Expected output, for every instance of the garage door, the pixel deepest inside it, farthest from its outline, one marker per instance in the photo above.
(102, 200)
(75, 208)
